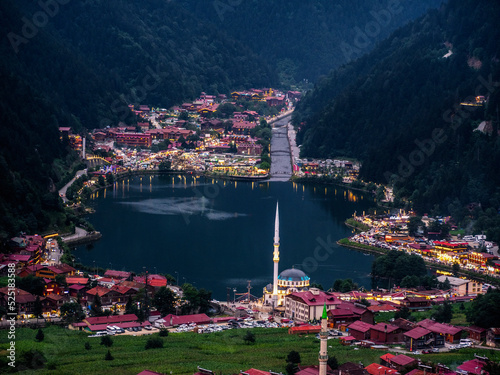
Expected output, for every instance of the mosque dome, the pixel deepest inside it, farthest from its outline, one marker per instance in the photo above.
(293, 274)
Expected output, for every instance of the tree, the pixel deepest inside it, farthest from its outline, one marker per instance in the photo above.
(291, 368)
(108, 356)
(404, 313)
(249, 337)
(484, 311)
(365, 302)
(71, 312)
(96, 306)
(265, 165)
(333, 363)
(410, 281)
(293, 357)
(39, 335)
(316, 285)
(163, 332)
(344, 286)
(153, 343)
(37, 308)
(110, 179)
(413, 224)
(445, 285)
(165, 165)
(106, 341)
(87, 346)
(455, 269)
(164, 300)
(443, 313)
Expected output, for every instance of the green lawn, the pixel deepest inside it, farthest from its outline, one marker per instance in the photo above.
(222, 352)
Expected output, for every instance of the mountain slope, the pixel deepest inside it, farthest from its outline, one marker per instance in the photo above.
(397, 109)
(306, 39)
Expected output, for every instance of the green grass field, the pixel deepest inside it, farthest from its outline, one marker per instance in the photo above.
(223, 352)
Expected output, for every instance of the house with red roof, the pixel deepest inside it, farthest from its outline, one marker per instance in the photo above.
(305, 329)
(174, 320)
(25, 301)
(402, 362)
(451, 333)
(360, 330)
(422, 338)
(472, 367)
(476, 333)
(308, 305)
(417, 303)
(346, 313)
(120, 275)
(386, 333)
(376, 369)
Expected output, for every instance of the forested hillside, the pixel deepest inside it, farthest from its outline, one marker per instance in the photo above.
(398, 110)
(306, 39)
(80, 63)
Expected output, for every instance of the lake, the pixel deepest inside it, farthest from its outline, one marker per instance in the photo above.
(216, 234)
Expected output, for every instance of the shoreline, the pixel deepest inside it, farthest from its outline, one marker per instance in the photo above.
(429, 265)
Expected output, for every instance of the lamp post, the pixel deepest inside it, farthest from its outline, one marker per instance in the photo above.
(234, 296)
(177, 278)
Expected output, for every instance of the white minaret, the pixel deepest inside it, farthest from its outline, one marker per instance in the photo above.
(276, 256)
(323, 350)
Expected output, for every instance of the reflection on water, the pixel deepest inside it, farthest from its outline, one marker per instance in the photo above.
(219, 233)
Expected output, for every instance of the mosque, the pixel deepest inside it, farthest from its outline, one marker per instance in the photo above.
(288, 281)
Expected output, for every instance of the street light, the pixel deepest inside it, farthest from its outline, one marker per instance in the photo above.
(234, 296)
(177, 278)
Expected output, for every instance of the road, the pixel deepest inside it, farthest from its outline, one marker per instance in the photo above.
(62, 192)
(281, 167)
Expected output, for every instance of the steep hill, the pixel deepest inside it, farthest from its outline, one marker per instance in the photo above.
(306, 39)
(398, 110)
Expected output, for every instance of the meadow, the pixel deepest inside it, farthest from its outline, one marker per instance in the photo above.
(222, 352)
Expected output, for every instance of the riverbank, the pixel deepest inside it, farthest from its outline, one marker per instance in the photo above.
(345, 242)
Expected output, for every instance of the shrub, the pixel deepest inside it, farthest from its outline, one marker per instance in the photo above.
(163, 332)
(153, 343)
(106, 341)
(108, 356)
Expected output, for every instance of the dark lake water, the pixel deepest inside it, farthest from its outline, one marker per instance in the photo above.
(217, 234)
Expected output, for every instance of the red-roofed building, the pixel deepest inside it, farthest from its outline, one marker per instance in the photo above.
(306, 329)
(476, 333)
(253, 371)
(386, 359)
(25, 301)
(386, 333)
(472, 367)
(422, 338)
(148, 372)
(346, 313)
(117, 274)
(417, 303)
(305, 306)
(450, 333)
(174, 320)
(112, 319)
(376, 369)
(360, 330)
(402, 362)
(77, 280)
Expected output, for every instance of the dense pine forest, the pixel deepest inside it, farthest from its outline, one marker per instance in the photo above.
(398, 110)
(304, 40)
(78, 64)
